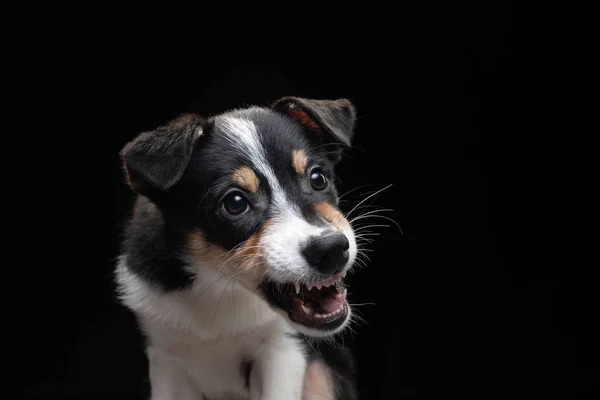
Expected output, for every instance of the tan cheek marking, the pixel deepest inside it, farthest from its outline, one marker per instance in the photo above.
(205, 253)
(246, 259)
(250, 254)
(246, 178)
(318, 383)
(332, 215)
(299, 160)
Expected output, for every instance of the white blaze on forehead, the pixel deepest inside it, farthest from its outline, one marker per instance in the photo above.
(288, 232)
(243, 135)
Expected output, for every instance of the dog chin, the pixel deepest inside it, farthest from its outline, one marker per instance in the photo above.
(321, 333)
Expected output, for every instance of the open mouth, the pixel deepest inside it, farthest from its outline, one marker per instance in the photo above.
(318, 305)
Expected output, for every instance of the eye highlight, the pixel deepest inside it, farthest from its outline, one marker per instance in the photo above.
(318, 181)
(235, 203)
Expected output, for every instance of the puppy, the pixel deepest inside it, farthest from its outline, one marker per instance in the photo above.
(235, 254)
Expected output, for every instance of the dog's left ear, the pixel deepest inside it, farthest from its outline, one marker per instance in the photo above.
(330, 120)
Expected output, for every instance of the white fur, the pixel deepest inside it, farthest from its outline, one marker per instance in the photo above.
(282, 244)
(198, 338)
(243, 135)
(289, 231)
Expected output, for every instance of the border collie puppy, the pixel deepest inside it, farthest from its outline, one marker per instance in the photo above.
(234, 256)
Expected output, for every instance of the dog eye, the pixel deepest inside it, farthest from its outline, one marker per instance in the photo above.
(235, 203)
(318, 181)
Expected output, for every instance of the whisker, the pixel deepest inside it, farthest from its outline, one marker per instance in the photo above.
(382, 217)
(365, 256)
(362, 304)
(223, 293)
(236, 254)
(369, 250)
(362, 235)
(361, 263)
(358, 319)
(371, 226)
(233, 298)
(373, 212)
(352, 190)
(209, 286)
(367, 198)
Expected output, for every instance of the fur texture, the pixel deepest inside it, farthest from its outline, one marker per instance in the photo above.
(234, 254)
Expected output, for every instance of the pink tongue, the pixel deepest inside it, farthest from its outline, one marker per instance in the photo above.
(332, 302)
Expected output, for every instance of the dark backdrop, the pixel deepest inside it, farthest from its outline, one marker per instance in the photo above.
(465, 303)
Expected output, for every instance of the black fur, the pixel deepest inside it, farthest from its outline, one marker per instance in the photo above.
(153, 250)
(186, 174)
(336, 117)
(183, 170)
(155, 161)
(246, 371)
(341, 363)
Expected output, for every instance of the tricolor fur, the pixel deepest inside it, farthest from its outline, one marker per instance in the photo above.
(236, 250)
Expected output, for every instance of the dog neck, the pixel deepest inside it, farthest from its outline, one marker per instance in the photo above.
(215, 308)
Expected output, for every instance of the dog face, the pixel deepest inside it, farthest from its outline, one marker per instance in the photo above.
(251, 193)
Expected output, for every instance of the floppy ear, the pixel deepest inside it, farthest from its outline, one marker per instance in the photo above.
(155, 161)
(328, 119)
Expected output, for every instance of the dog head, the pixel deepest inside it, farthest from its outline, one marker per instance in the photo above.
(251, 192)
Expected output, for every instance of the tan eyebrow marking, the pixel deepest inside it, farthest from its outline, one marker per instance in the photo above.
(246, 178)
(299, 161)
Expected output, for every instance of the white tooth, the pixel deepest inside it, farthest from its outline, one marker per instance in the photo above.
(318, 286)
(297, 287)
(306, 310)
(309, 286)
(344, 292)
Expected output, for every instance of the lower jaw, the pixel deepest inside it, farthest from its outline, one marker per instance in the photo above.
(324, 324)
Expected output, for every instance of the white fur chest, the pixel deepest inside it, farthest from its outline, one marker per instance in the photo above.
(198, 342)
(181, 370)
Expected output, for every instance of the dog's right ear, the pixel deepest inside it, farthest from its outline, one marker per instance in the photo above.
(155, 161)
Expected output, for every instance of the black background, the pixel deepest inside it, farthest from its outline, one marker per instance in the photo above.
(470, 302)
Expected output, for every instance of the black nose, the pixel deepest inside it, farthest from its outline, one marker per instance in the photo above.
(327, 253)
